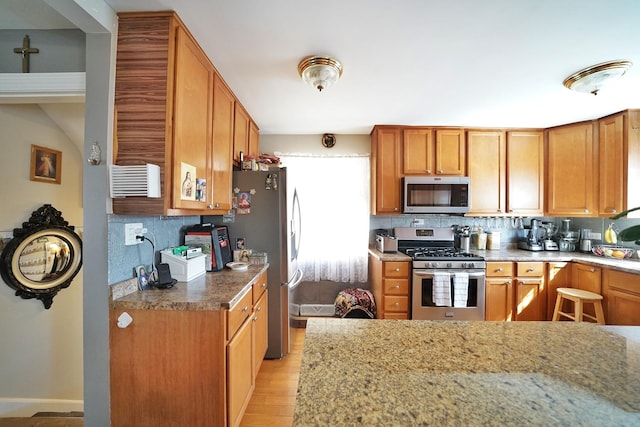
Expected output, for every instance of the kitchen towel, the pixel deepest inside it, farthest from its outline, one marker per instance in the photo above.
(441, 289)
(460, 289)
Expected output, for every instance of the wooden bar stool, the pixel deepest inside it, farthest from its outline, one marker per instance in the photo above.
(579, 298)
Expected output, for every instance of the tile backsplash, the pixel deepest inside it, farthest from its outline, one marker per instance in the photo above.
(506, 226)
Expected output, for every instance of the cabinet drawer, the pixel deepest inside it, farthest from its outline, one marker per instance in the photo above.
(259, 287)
(530, 269)
(626, 282)
(397, 316)
(396, 286)
(396, 303)
(396, 269)
(239, 313)
(499, 269)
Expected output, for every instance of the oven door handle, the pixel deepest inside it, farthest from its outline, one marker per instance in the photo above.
(430, 273)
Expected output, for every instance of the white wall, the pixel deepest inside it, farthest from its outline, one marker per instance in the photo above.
(345, 144)
(41, 358)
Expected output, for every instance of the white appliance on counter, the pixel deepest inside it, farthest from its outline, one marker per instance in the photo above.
(271, 224)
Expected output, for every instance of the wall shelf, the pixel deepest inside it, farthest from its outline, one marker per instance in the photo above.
(38, 88)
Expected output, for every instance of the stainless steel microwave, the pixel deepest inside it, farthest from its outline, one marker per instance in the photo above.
(436, 194)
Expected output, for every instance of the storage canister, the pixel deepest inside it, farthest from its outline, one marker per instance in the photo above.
(493, 240)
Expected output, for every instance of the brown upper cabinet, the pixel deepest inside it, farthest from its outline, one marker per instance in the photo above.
(506, 172)
(619, 161)
(580, 169)
(571, 188)
(386, 172)
(487, 166)
(246, 135)
(433, 152)
(525, 173)
(173, 110)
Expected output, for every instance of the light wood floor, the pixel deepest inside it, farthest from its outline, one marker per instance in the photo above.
(274, 397)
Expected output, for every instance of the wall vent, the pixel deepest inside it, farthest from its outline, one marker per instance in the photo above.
(138, 180)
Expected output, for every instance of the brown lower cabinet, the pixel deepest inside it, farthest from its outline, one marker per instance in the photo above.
(621, 292)
(187, 367)
(390, 287)
(499, 291)
(558, 276)
(515, 291)
(527, 290)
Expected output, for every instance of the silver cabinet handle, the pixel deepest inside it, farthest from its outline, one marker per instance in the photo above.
(245, 309)
(499, 270)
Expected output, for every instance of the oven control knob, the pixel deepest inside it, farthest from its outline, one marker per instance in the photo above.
(467, 265)
(449, 264)
(435, 265)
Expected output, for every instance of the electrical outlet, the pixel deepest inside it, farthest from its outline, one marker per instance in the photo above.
(130, 233)
(417, 222)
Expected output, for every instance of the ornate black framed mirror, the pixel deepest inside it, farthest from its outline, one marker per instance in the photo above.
(43, 257)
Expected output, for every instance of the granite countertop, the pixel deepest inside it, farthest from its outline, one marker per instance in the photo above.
(212, 291)
(631, 265)
(414, 372)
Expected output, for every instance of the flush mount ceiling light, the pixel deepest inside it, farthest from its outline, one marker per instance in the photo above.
(593, 78)
(320, 71)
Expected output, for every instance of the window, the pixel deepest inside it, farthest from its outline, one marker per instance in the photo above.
(334, 201)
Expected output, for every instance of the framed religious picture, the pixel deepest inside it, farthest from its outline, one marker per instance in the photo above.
(46, 164)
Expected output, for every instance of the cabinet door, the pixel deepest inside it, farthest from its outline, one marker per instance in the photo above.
(487, 171)
(161, 353)
(558, 276)
(223, 104)
(260, 331)
(240, 133)
(254, 139)
(612, 165)
(530, 302)
(498, 299)
(239, 372)
(525, 173)
(386, 187)
(417, 146)
(192, 131)
(621, 293)
(450, 152)
(571, 172)
(586, 277)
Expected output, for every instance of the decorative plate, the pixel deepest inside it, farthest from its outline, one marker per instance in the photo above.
(238, 266)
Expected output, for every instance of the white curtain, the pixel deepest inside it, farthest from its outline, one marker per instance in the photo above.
(334, 201)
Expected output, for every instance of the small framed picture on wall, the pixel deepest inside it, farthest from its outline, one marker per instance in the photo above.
(46, 164)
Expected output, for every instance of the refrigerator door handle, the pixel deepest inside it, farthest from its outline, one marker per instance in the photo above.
(295, 281)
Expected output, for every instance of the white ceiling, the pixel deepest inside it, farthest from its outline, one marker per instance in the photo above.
(493, 63)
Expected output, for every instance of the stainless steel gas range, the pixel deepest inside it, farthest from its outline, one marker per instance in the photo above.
(446, 283)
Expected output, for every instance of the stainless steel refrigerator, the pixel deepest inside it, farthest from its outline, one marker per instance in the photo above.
(269, 221)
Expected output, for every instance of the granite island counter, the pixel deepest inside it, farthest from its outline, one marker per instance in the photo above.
(409, 373)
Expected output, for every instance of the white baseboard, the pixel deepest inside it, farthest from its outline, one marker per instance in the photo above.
(27, 407)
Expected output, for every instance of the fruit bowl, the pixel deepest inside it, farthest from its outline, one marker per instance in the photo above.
(612, 251)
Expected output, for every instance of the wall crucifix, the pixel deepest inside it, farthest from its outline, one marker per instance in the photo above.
(25, 51)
